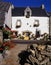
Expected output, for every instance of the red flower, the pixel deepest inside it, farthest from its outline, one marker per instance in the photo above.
(1, 49)
(6, 44)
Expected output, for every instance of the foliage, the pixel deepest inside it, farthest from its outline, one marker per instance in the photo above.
(6, 33)
(6, 47)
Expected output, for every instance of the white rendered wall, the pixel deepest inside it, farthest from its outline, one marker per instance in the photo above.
(44, 24)
(8, 18)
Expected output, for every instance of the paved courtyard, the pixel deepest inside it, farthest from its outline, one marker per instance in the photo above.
(12, 58)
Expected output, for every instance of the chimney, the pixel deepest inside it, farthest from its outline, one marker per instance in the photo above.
(12, 6)
(42, 6)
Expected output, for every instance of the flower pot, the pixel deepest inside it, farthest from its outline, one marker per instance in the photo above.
(6, 53)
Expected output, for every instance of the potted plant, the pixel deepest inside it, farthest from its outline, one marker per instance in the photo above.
(6, 49)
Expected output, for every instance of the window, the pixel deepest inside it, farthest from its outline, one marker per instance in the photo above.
(27, 12)
(36, 23)
(18, 23)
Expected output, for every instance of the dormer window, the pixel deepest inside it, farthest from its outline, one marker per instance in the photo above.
(36, 23)
(18, 23)
(27, 12)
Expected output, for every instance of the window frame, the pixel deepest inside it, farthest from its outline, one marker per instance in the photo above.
(36, 23)
(18, 26)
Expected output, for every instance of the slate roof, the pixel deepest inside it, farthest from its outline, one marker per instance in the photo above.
(36, 11)
(4, 7)
(2, 18)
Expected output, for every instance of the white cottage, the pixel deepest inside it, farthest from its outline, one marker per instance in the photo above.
(30, 19)
(24, 18)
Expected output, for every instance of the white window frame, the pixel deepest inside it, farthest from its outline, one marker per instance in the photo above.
(18, 23)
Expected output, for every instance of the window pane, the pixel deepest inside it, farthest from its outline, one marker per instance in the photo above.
(18, 23)
(36, 23)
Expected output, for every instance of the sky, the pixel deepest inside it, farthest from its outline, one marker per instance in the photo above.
(31, 3)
